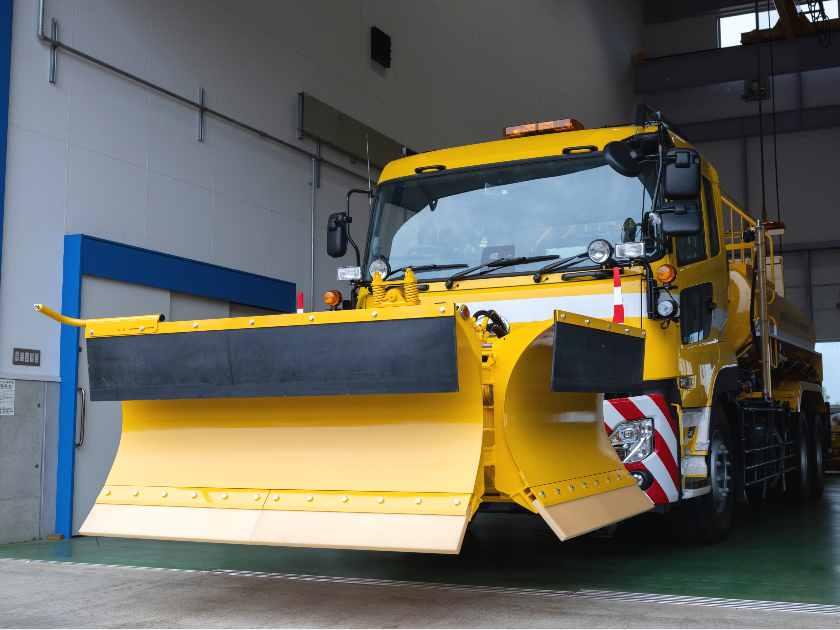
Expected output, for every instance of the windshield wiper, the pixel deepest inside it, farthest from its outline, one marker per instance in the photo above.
(425, 268)
(497, 264)
(554, 265)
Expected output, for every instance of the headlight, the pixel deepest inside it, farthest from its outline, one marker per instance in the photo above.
(381, 266)
(633, 440)
(350, 273)
(629, 250)
(599, 251)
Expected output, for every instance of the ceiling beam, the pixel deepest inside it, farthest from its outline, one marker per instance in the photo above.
(788, 13)
(668, 10)
(738, 63)
(747, 126)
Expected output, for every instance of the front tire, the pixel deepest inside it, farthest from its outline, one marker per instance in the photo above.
(707, 521)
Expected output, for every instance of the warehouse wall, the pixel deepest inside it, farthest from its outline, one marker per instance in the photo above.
(100, 155)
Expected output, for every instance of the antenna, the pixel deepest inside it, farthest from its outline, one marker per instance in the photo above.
(367, 149)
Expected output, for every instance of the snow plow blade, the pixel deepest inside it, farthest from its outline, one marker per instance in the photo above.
(358, 429)
(242, 433)
(568, 471)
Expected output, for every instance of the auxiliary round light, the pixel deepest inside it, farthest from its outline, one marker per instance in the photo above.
(381, 266)
(600, 251)
(464, 311)
(666, 308)
(666, 273)
(332, 297)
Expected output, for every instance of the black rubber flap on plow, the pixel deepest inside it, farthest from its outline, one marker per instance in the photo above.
(411, 356)
(591, 360)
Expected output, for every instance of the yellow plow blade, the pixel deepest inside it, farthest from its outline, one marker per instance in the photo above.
(565, 467)
(223, 440)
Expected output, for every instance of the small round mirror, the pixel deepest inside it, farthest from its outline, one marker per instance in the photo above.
(618, 156)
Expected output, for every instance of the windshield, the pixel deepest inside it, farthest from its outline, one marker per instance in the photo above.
(534, 208)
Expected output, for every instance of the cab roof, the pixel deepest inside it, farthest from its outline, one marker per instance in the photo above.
(528, 147)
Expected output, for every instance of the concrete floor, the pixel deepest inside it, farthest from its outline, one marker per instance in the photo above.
(50, 596)
(775, 552)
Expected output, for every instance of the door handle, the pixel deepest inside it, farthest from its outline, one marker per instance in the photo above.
(82, 428)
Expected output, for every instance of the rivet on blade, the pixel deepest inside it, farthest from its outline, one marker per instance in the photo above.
(542, 494)
(381, 500)
(91, 332)
(374, 314)
(562, 315)
(626, 330)
(256, 497)
(418, 500)
(142, 329)
(597, 483)
(309, 497)
(618, 477)
(195, 325)
(224, 495)
(251, 322)
(442, 309)
(586, 321)
(135, 493)
(557, 490)
(608, 479)
(571, 488)
(609, 326)
(163, 494)
(194, 495)
(311, 318)
(107, 493)
(457, 501)
(276, 497)
(584, 485)
(344, 499)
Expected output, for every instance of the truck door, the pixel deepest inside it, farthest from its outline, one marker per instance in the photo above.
(701, 277)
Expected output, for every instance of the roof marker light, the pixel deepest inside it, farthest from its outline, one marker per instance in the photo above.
(551, 126)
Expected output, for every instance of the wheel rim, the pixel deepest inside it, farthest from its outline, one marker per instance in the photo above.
(719, 471)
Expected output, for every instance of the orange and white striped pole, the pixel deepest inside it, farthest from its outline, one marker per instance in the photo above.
(300, 302)
(618, 304)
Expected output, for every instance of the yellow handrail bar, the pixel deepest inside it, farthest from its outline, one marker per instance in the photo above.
(82, 323)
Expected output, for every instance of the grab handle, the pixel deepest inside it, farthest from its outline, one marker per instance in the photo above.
(82, 427)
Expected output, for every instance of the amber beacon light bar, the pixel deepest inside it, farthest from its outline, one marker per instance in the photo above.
(552, 126)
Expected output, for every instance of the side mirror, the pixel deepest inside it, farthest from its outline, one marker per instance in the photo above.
(337, 234)
(682, 174)
(680, 219)
(620, 157)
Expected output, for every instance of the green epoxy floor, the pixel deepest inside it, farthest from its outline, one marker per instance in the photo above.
(775, 552)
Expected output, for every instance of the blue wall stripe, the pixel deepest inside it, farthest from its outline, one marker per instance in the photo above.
(5, 78)
(116, 261)
(71, 302)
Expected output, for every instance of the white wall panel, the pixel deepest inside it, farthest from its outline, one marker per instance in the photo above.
(173, 147)
(109, 115)
(116, 31)
(106, 198)
(289, 251)
(240, 235)
(180, 218)
(243, 163)
(33, 246)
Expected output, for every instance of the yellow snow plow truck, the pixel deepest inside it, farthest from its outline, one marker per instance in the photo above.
(580, 322)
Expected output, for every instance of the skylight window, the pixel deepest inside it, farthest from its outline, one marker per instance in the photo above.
(731, 27)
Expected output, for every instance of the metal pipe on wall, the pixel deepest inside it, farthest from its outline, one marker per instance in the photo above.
(53, 41)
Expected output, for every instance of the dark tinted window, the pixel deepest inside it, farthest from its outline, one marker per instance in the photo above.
(695, 314)
(711, 214)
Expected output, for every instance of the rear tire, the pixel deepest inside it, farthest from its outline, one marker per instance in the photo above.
(817, 454)
(799, 490)
(707, 520)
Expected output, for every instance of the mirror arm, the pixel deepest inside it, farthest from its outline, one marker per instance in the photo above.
(348, 220)
(650, 285)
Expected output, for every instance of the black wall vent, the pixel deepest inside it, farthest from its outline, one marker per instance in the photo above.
(380, 47)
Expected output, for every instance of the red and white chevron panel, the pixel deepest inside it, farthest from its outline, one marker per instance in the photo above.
(662, 463)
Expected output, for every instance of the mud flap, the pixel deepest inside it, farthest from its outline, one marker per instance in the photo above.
(570, 474)
(223, 440)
